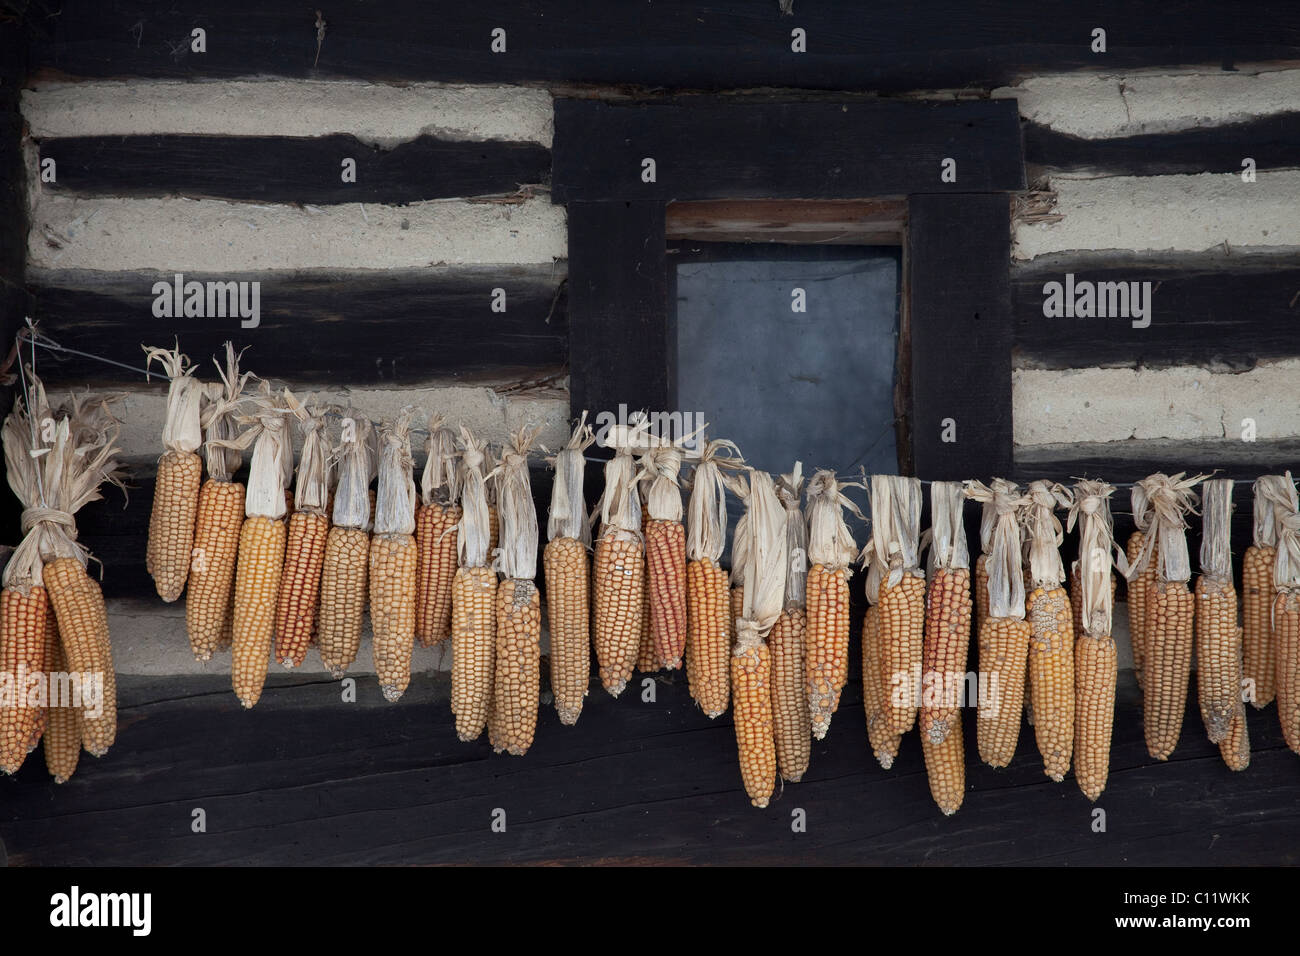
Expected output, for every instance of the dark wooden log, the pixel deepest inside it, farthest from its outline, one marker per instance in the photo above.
(292, 169)
(392, 328)
(960, 336)
(732, 44)
(1217, 310)
(738, 149)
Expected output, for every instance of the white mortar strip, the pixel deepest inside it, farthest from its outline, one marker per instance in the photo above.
(110, 234)
(1159, 213)
(1101, 106)
(1186, 402)
(372, 112)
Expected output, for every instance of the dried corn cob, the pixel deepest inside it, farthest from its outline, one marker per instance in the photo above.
(981, 590)
(895, 547)
(1286, 605)
(665, 545)
(1139, 585)
(345, 570)
(1169, 609)
(830, 549)
(1095, 657)
(948, 614)
(945, 766)
(180, 470)
(884, 742)
(473, 602)
(63, 730)
(261, 550)
(791, 724)
(1259, 662)
(516, 685)
(620, 566)
(646, 661)
(304, 554)
(22, 655)
(568, 577)
(392, 559)
(435, 537)
(1235, 748)
(82, 620)
(1218, 638)
(751, 661)
(490, 486)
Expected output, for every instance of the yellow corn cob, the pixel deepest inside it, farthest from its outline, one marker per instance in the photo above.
(516, 686)
(790, 723)
(392, 610)
(620, 592)
(343, 590)
(645, 648)
(171, 523)
(737, 595)
(63, 729)
(299, 597)
(257, 587)
(1235, 748)
(1286, 630)
(947, 642)
(981, 591)
(1138, 590)
(54, 663)
(710, 622)
(665, 544)
(83, 632)
(22, 652)
(1095, 670)
(1259, 663)
(494, 526)
(1003, 651)
(567, 587)
(751, 681)
(473, 647)
(828, 644)
(1169, 639)
(212, 570)
(945, 766)
(435, 537)
(884, 742)
(1051, 662)
(902, 632)
(1218, 655)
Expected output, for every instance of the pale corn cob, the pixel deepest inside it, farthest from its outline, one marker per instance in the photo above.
(708, 645)
(751, 678)
(257, 588)
(902, 635)
(1003, 650)
(208, 611)
(884, 742)
(619, 570)
(1235, 748)
(1170, 637)
(299, 597)
(947, 642)
(473, 648)
(435, 537)
(82, 620)
(1218, 655)
(64, 725)
(344, 585)
(1138, 588)
(736, 600)
(1286, 629)
(516, 686)
(567, 587)
(1259, 664)
(945, 767)
(22, 653)
(790, 721)
(1095, 671)
(1051, 664)
(392, 610)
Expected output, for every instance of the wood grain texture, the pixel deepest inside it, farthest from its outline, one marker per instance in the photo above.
(789, 221)
(292, 169)
(1207, 309)
(934, 44)
(739, 149)
(959, 317)
(306, 779)
(391, 327)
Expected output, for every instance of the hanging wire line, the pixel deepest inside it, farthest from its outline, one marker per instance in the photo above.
(34, 338)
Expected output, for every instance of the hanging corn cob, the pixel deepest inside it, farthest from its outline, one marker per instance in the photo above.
(988, 520)
(788, 644)
(473, 601)
(63, 732)
(620, 565)
(261, 547)
(895, 546)
(567, 577)
(344, 571)
(1168, 618)
(304, 553)
(665, 548)
(830, 549)
(516, 685)
(1139, 586)
(180, 471)
(709, 618)
(1259, 651)
(884, 742)
(1286, 606)
(435, 537)
(1003, 643)
(208, 611)
(751, 661)
(948, 617)
(1095, 658)
(1218, 638)
(392, 559)
(646, 661)
(490, 462)
(1051, 637)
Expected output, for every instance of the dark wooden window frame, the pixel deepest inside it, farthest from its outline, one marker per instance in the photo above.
(767, 169)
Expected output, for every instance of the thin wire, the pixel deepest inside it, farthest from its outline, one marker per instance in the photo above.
(46, 343)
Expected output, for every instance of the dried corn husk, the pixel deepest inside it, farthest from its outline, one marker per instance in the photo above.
(1091, 510)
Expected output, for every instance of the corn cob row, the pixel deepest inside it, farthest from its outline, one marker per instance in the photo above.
(568, 577)
(948, 615)
(895, 548)
(473, 601)
(1286, 605)
(791, 724)
(619, 571)
(345, 568)
(1259, 661)
(1218, 638)
(180, 471)
(830, 550)
(435, 537)
(1168, 617)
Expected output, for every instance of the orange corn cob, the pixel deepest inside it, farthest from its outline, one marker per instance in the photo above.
(1051, 664)
(981, 591)
(1235, 748)
(645, 648)
(435, 536)
(344, 584)
(22, 653)
(1095, 670)
(1259, 663)
(945, 767)
(64, 726)
(516, 686)
(567, 587)
(208, 611)
(790, 722)
(902, 629)
(1218, 655)
(257, 588)
(947, 642)
(665, 544)
(1003, 651)
(83, 632)
(710, 621)
(1138, 589)
(884, 742)
(299, 596)
(751, 681)
(1169, 638)
(1286, 629)
(171, 523)
(473, 647)
(392, 610)
(828, 647)
(620, 592)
